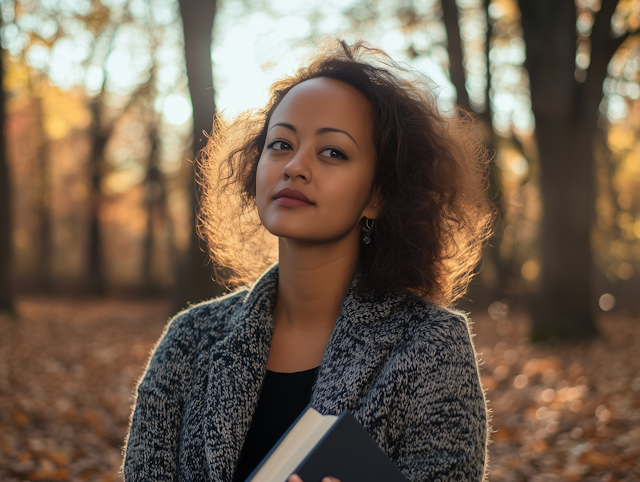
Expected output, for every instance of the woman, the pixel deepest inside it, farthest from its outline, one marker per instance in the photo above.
(377, 204)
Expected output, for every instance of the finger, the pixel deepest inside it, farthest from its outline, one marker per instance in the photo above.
(330, 479)
(295, 478)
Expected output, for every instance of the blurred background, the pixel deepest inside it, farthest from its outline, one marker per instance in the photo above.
(103, 111)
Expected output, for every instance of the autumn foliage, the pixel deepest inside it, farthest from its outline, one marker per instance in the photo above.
(567, 412)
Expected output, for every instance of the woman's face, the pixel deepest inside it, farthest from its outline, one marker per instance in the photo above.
(315, 174)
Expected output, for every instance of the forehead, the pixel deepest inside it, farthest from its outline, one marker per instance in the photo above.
(323, 99)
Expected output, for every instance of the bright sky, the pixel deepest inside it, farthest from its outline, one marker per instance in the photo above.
(250, 53)
(251, 50)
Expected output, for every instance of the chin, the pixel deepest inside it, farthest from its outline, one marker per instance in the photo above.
(286, 226)
(309, 236)
(289, 233)
(304, 229)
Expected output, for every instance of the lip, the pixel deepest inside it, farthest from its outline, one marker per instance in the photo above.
(292, 198)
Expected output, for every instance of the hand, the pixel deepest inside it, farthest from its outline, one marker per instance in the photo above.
(296, 478)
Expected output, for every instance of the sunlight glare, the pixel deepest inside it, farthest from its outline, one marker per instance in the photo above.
(250, 53)
(394, 41)
(444, 90)
(176, 109)
(94, 78)
(617, 108)
(251, 56)
(65, 65)
(38, 56)
(519, 165)
(606, 302)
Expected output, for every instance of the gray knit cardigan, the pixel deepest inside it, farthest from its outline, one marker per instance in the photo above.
(405, 368)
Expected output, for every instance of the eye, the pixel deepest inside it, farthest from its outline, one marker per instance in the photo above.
(278, 145)
(333, 153)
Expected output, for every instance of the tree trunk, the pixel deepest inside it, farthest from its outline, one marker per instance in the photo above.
(454, 47)
(155, 201)
(195, 278)
(566, 119)
(492, 285)
(502, 268)
(6, 247)
(45, 255)
(95, 267)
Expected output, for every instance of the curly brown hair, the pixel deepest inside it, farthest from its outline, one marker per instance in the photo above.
(430, 173)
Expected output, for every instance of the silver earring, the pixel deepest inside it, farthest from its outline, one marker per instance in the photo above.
(366, 229)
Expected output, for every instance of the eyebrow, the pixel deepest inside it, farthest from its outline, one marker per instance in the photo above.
(322, 130)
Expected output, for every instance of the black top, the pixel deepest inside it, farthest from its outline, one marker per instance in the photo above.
(283, 398)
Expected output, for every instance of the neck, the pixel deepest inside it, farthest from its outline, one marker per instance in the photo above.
(313, 279)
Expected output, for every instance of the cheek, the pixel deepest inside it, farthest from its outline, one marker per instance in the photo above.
(262, 180)
(349, 194)
(267, 177)
(261, 187)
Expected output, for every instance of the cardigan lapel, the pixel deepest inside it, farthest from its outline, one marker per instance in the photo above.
(359, 344)
(237, 370)
(361, 341)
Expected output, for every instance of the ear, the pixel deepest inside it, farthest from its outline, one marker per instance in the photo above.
(372, 208)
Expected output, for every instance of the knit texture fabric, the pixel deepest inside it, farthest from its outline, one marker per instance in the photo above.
(405, 368)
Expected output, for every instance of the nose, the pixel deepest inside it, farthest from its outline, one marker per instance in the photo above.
(299, 167)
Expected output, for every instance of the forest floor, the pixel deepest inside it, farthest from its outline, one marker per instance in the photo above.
(563, 412)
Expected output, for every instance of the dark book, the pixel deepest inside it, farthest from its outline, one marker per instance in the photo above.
(318, 446)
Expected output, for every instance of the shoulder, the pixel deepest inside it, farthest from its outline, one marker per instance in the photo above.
(205, 317)
(432, 324)
(217, 308)
(428, 340)
(436, 342)
(186, 336)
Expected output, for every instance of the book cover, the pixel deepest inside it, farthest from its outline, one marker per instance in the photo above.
(319, 446)
(348, 453)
